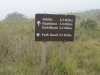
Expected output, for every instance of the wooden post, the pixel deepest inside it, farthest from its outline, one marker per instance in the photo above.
(43, 54)
(62, 50)
(63, 46)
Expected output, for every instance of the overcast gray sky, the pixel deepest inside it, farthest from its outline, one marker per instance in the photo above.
(31, 7)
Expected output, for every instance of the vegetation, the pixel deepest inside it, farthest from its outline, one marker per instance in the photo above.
(15, 16)
(88, 24)
(21, 55)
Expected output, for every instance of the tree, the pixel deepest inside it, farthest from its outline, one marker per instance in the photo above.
(88, 24)
(15, 16)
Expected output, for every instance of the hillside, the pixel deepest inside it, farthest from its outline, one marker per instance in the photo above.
(88, 12)
(20, 54)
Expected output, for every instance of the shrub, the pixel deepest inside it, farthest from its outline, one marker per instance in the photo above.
(88, 24)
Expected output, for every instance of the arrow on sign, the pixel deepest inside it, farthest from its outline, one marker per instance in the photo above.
(38, 22)
(38, 34)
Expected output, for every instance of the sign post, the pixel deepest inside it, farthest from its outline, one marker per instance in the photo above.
(43, 54)
(54, 27)
(62, 49)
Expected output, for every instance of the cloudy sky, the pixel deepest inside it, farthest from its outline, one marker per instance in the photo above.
(31, 7)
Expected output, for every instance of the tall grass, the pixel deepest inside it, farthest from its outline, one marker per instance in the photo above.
(21, 55)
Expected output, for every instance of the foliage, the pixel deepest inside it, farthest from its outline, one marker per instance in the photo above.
(88, 24)
(98, 17)
(15, 16)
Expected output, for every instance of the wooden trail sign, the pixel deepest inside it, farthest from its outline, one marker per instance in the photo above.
(53, 27)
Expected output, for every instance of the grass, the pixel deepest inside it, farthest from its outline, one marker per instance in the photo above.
(21, 55)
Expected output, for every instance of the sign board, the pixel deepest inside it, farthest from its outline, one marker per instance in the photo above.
(53, 27)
